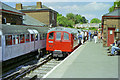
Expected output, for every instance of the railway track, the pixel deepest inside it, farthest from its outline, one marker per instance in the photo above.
(35, 71)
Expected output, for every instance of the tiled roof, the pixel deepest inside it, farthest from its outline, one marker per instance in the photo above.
(116, 12)
(9, 9)
(28, 20)
(33, 8)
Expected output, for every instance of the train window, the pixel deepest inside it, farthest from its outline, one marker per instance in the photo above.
(8, 39)
(51, 35)
(36, 37)
(22, 38)
(32, 37)
(15, 39)
(0, 40)
(27, 38)
(45, 35)
(58, 36)
(66, 36)
(41, 36)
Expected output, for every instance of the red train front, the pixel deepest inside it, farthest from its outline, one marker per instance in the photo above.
(61, 41)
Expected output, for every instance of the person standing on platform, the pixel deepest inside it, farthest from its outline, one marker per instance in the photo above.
(82, 34)
(95, 36)
(85, 36)
(89, 35)
(79, 39)
(99, 37)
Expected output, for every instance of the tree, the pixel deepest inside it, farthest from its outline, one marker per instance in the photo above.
(95, 20)
(70, 16)
(116, 4)
(70, 19)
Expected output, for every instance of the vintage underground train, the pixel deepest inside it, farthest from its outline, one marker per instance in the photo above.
(17, 40)
(61, 41)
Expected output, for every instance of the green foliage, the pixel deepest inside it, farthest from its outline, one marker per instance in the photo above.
(70, 20)
(116, 4)
(95, 20)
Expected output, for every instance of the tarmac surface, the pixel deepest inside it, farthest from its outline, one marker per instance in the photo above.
(89, 60)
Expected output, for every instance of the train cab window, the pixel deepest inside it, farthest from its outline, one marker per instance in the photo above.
(8, 39)
(58, 36)
(32, 37)
(66, 36)
(36, 37)
(0, 40)
(22, 38)
(15, 39)
(51, 35)
(27, 38)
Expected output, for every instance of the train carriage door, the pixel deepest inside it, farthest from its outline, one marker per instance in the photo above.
(66, 42)
(50, 40)
(58, 41)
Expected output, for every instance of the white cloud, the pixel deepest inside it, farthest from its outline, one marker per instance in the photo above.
(58, 0)
(89, 10)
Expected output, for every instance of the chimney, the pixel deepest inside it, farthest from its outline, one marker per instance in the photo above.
(39, 5)
(18, 6)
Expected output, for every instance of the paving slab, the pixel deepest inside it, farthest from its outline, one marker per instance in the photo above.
(88, 61)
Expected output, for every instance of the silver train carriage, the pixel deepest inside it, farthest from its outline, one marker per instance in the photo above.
(17, 40)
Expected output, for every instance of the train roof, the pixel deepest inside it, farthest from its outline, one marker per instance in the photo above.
(69, 30)
(21, 29)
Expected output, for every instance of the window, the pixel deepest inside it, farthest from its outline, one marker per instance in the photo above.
(58, 36)
(66, 36)
(22, 38)
(32, 37)
(41, 36)
(51, 35)
(27, 38)
(15, 39)
(52, 16)
(0, 40)
(3, 20)
(36, 37)
(8, 39)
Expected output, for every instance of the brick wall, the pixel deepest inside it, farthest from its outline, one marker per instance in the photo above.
(113, 23)
(44, 17)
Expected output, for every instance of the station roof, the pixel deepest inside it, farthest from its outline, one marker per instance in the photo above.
(28, 20)
(116, 12)
(69, 30)
(20, 29)
(8, 9)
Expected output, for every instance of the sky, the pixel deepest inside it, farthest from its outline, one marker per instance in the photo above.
(89, 8)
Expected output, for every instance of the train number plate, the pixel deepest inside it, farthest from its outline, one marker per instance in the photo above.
(50, 41)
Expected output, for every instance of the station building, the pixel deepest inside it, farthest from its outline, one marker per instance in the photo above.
(40, 13)
(111, 26)
(9, 15)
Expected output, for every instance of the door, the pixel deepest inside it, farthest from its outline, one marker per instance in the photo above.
(58, 41)
(110, 36)
(50, 41)
(66, 42)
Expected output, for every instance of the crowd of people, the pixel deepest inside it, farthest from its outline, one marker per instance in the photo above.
(89, 35)
(97, 37)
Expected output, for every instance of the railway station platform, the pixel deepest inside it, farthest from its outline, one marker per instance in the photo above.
(89, 60)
